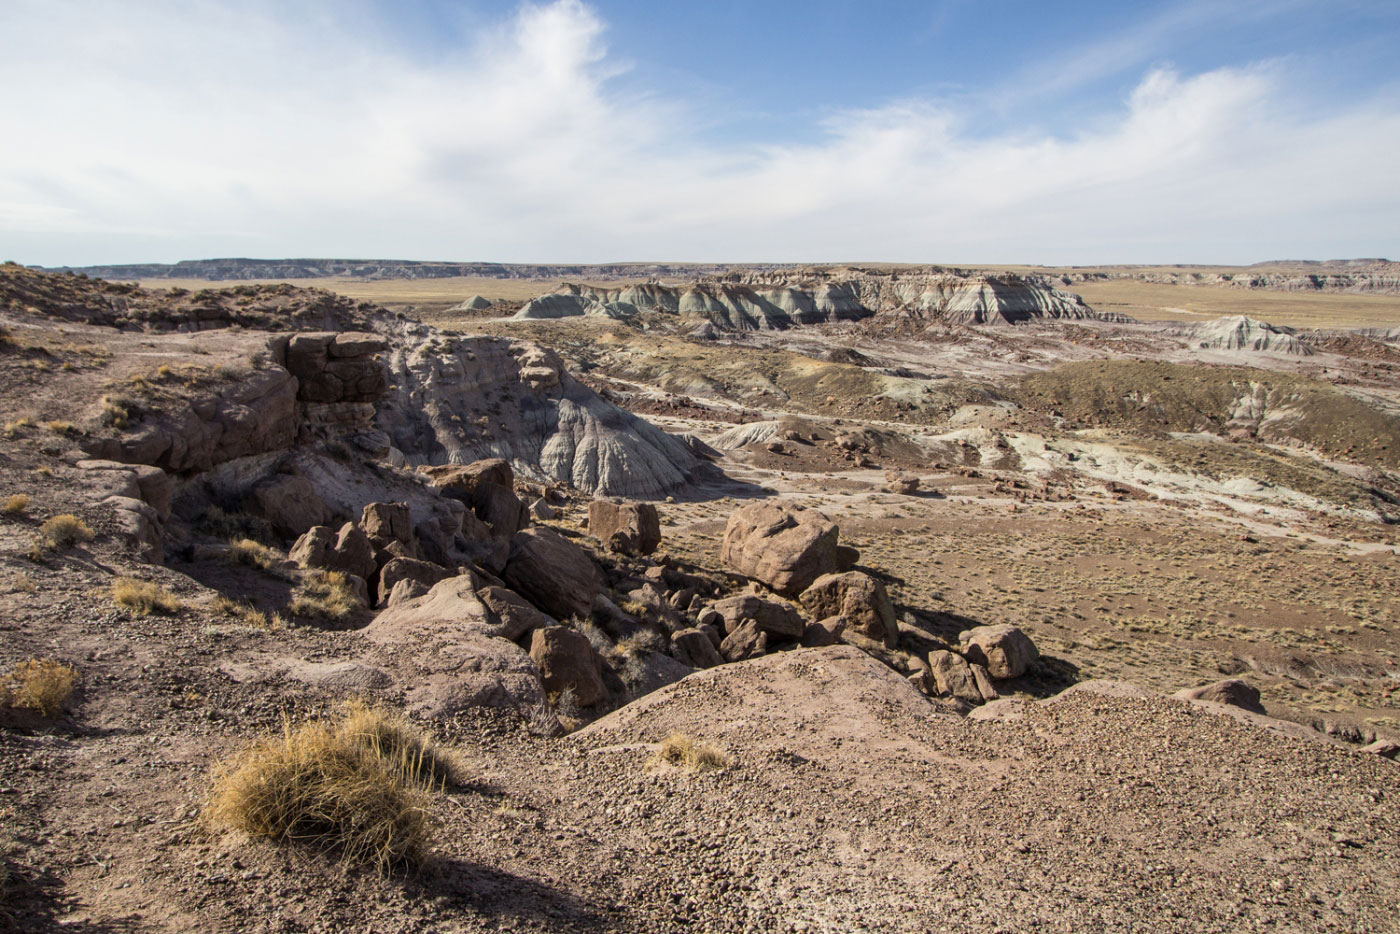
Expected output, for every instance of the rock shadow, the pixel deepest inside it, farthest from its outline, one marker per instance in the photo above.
(33, 902)
(494, 895)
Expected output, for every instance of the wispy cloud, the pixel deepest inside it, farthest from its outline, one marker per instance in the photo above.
(190, 128)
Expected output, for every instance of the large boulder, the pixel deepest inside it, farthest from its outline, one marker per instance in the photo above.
(952, 677)
(290, 504)
(553, 573)
(424, 573)
(774, 617)
(694, 647)
(1004, 650)
(1231, 691)
(860, 598)
(786, 547)
(747, 641)
(515, 614)
(628, 528)
(568, 661)
(445, 648)
(487, 488)
(386, 523)
(348, 550)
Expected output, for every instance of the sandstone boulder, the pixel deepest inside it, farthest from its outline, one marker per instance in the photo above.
(404, 591)
(410, 569)
(823, 632)
(515, 615)
(1384, 748)
(786, 547)
(860, 598)
(486, 487)
(348, 550)
(1004, 650)
(290, 504)
(553, 573)
(953, 677)
(568, 661)
(747, 641)
(444, 647)
(694, 648)
(1231, 691)
(771, 616)
(901, 484)
(385, 523)
(628, 528)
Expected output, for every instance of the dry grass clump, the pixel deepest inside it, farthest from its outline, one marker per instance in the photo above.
(61, 427)
(254, 554)
(15, 505)
(40, 684)
(359, 787)
(325, 595)
(63, 532)
(12, 429)
(248, 615)
(144, 597)
(686, 751)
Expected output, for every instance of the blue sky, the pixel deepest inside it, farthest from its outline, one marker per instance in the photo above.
(568, 131)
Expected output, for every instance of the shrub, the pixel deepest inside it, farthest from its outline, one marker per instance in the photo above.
(684, 750)
(249, 615)
(63, 532)
(253, 554)
(143, 597)
(119, 411)
(325, 595)
(12, 429)
(359, 788)
(15, 505)
(234, 525)
(40, 684)
(61, 428)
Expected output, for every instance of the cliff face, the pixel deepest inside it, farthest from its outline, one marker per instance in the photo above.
(765, 304)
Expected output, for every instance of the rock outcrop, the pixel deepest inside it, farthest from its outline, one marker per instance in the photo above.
(857, 597)
(449, 400)
(628, 528)
(553, 573)
(785, 547)
(1004, 650)
(568, 662)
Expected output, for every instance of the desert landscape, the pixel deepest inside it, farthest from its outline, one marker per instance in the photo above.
(819, 598)
(596, 467)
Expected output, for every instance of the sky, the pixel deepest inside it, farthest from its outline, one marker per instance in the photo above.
(951, 131)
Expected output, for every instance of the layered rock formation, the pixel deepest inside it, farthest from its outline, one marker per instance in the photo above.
(762, 304)
(1238, 332)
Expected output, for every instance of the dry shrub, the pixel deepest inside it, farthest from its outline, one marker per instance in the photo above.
(61, 428)
(253, 554)
(143, 597)
(684, 750)
(359, 788)
(249, 615)
(15, 505)
(63, 532)
(40, 684)
(325, 595)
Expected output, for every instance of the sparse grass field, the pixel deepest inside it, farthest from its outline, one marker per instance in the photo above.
(1149, 301)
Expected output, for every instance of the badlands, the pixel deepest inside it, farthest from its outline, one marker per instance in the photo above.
(376, 596)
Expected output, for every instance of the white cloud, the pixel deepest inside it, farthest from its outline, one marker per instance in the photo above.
(199, 128)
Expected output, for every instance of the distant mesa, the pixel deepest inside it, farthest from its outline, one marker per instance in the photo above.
(764, 305)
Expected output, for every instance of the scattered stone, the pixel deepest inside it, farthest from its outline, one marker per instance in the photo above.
(953, 677)
(823, 632)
